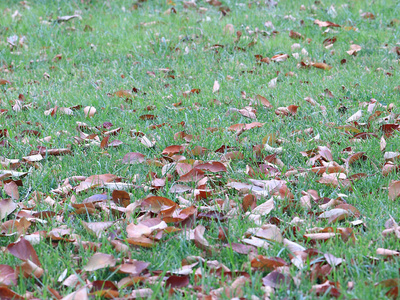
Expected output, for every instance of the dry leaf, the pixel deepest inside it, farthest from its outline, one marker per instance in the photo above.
(215, 87)
(100, 261)
(89, 111)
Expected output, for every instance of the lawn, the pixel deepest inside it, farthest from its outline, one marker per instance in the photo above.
(175, 149)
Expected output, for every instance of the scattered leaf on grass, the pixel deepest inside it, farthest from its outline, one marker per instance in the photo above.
(100, 261)
(89, 111)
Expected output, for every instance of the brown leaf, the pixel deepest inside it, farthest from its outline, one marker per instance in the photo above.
(368, 15)
(328, 286)
(106, 289)
(133, 158)
(241, 249)
(267, 263)
(23, 250)
(7, 206)
(4, 82)
(147, 117)
(323, 66)
(249, 201)
(15, 226)
(277, 280)
(199, 239)
(193, 175)
(325, 24)
(334, 215)
(155, 204)
(264, 101)
(394, 190)
(295, 35)
(213, 166)
(7, 294)
(121, 197)
(30, 269)
(133, 268)
(99, 261)
(177, 281)
(104, 142)
(279, 57)
(320, 236)
(80, 294)
(174, 149)
(123, 94)
(7, 276)
(11, 190)
(354, 49)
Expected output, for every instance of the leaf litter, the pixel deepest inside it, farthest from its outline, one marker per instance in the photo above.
(189, 192)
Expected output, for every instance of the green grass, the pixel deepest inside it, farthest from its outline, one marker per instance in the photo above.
(116, 55)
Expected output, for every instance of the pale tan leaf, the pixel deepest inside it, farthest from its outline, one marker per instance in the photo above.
(89, 111)
(215, 87)
(100, 261)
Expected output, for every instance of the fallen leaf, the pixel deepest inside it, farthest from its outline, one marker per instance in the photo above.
(355, 117)
(354, 49)
(23, 250)
(215, 87)
(100, 261)
(325, 23)
(156, 204)
(387, 252)
(89, 111)
(133, 158)
(264, 101)
(394, 190)
(7, 206)
(323, 66)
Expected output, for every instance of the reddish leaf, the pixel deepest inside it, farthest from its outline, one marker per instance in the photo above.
(147, 117)
(277, 280)
(394, 190)
(7, 206)
(7, 276)
(193, 175)
(199, 239)
(177, 281)
(174, 149)
(23, 250)
(7, 294)
(104, 142)
(249, 201)
(214, 167)
(121, 197)
(123, 94)
(264, 101)
(267, 263)
(4, 82)
(325, 24)
(322, 66)
(279, 57)
(156, 204)
(133, 268)
(133, 158)
(242, 249)
(328, 286)
(106, 289)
